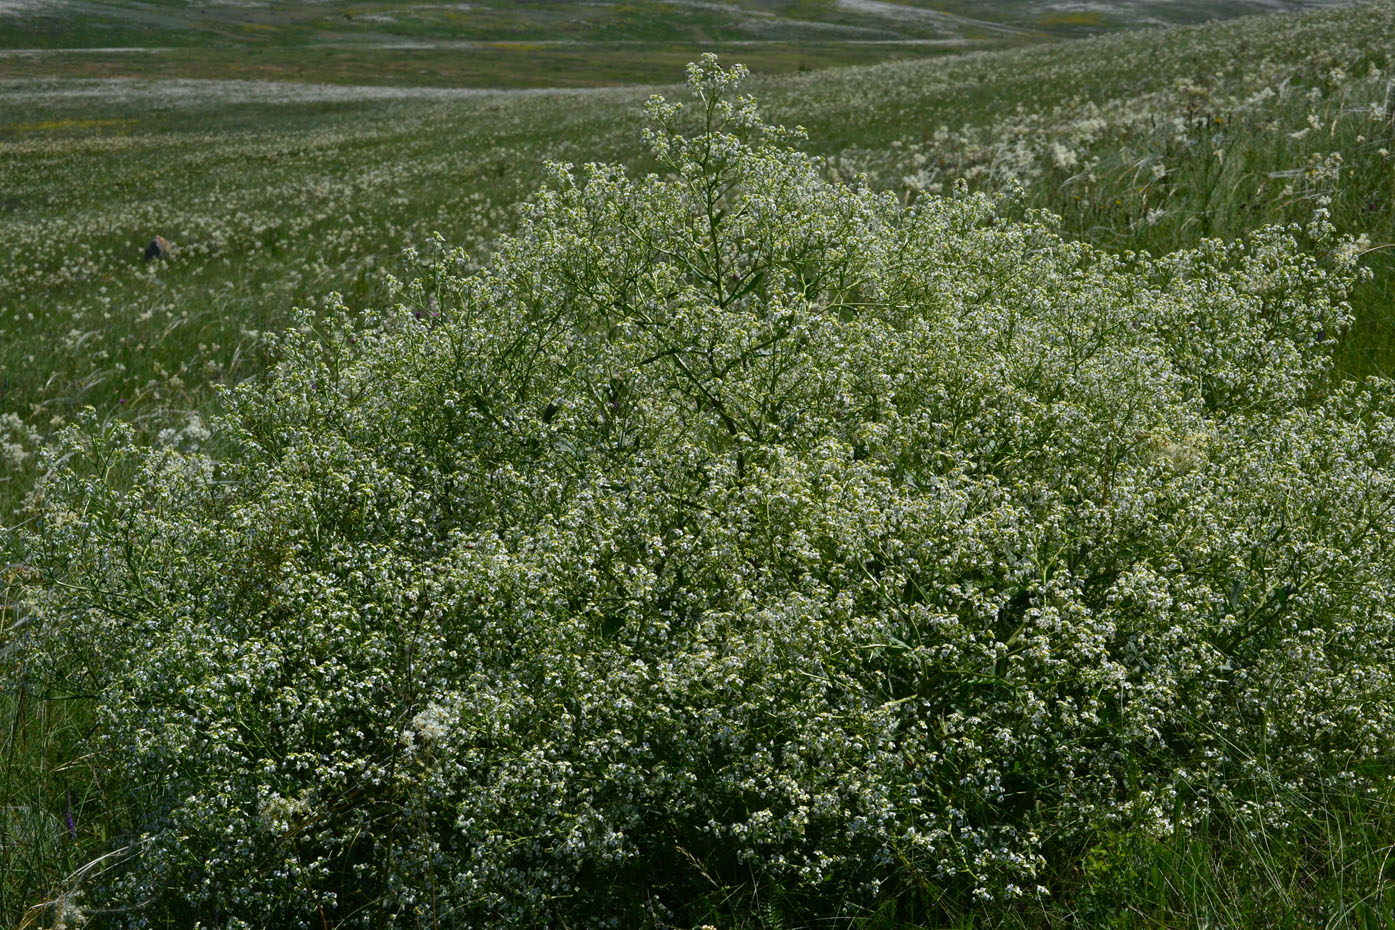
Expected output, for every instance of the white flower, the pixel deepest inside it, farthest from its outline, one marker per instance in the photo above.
(432, 723)
(1349, 250)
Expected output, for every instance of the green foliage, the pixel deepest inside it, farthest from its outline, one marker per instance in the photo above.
(735, 540)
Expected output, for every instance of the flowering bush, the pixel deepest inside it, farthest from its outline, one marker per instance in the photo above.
(732, 530)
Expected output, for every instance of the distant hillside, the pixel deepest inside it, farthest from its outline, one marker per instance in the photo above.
(545, 43)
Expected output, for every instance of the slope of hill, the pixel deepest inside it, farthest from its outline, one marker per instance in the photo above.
(109, 23)
(550, 43)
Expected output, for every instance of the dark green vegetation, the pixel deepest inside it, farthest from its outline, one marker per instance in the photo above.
(276, 198)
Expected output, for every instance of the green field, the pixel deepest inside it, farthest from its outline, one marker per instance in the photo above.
(537, 44)
(89, 24)
(280, 193)
(301, 157)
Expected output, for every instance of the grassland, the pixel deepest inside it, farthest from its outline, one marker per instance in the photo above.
(312, 175)
(279, 193)
(545, 44)
(477, 64)
(74, 24)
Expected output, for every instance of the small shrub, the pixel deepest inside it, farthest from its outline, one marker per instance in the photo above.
(733, 532)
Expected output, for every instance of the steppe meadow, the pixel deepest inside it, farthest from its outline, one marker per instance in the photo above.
(936, 473)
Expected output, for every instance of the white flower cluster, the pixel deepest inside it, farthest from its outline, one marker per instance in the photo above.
(18, 440)
(735, 529)
(193, 433)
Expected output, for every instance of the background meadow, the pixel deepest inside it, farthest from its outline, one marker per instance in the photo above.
(351, 165)
(279, 194)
